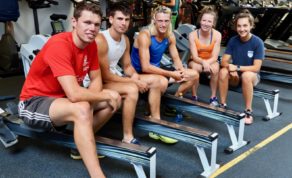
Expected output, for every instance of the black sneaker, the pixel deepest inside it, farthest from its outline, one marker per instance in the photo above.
(74, 154)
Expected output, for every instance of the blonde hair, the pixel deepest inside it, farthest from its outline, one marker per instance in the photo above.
(151, 26)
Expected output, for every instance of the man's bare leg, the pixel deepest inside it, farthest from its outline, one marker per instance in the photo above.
(192, 77)
(100, 111)
(129, 93)
(198, 69)
(157, 85)
(81, 114)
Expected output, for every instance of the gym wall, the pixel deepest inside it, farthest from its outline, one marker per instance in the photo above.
(24, 27)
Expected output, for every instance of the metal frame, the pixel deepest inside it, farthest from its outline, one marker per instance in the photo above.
(272, 112)
(194, 136)
(230, 118)
(276, 77)
(137, 157)
(267, 95)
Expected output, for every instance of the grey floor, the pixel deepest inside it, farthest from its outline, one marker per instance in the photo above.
(36, 158)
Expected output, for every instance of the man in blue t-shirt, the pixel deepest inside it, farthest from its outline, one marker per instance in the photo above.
(242, 62)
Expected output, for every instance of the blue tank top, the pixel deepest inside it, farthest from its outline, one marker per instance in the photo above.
(156, 50)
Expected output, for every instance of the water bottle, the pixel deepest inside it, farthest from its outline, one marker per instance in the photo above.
(179, 116)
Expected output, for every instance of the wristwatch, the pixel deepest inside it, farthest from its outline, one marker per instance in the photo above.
(238, 68)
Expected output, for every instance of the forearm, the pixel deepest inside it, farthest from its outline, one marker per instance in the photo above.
(115, 78)
(129, 71)
(156, 70)
(224, 64)
(178, 64)
(249, 68)
(197, 59)
(89, 95)
(213, 60)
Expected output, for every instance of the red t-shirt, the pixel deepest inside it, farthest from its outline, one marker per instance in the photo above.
(59, 57)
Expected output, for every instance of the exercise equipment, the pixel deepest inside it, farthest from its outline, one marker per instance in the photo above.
(57, 23)
(284, 30)
(38, 4)
(201, 139)
(29, 51)
(7, 97)
(11, 127)
(231, 118)
(182, 35)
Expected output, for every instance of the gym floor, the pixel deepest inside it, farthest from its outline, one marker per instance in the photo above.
(267, 155)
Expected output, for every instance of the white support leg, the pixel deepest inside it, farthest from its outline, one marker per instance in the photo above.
(139, 170)
(272, 113)
(237, 142)
(153, 166)
(209, 169)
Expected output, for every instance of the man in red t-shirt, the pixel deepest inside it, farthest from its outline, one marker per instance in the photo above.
(52, 94)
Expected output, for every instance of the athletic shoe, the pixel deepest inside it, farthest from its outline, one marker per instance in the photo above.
(133, 141)
(224, 106)
(154, 136)
(171, 112)
(194, 98)
(248, 117)
(214, 101)
(74, 154)
(164, 139)
(168, 111)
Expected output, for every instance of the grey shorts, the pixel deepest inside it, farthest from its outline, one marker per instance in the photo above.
(35, 112)
(257, 81)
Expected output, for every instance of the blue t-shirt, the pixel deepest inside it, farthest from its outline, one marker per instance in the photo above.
(156, 50)
(244, 53)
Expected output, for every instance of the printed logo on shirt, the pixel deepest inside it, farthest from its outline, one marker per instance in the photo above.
(250, 54)
(85, 64)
